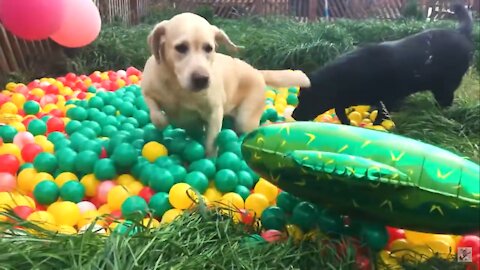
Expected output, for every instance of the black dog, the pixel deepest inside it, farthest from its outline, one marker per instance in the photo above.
(435, 59)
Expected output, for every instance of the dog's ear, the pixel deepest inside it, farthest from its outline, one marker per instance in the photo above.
(155, 41)
(222, 37)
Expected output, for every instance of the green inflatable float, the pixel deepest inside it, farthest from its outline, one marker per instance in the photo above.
(382, 177)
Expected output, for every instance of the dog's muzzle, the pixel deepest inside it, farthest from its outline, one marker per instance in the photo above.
(199, 81)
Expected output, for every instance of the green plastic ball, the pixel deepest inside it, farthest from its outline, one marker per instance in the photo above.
(197, 180)
(55, 136)
(104, 169)
(93, 146)
(233, 147)
(245, 179)
(45, 162)
(85, 161)
(304, 215)
(159, 204)
(31, 107)
(374, 235)
(205, 166)
(292, 99)
(77, 139)
(72, 191)
(164, 162)
(134, 207)
(226, 180)
(109, 110)
(178, 172)
(72, 126)
(161, 180)
(126, 109)
(243, 191)
(46, 192)
(25, 166)
(142, 117)
(225, 136)
(147, 173)
(7, 133)
(193, 151)
(95, 102)
(138, 167)
(37, 127)
(287, 202)
(329, 222)
(124, 156)
(77, 113)
(273, 218)
(66, 159)
(228, 160)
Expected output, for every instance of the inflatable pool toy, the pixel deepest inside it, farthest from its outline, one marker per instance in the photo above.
(369, 174)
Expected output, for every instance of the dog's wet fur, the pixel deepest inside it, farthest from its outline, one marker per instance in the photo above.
(388, 72)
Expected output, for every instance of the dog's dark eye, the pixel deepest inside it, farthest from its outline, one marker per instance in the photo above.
(207, 48)
(181, 48)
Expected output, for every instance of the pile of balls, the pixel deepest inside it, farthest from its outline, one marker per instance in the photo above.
(77, 148)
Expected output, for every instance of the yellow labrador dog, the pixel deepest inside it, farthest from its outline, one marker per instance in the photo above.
(187, 84)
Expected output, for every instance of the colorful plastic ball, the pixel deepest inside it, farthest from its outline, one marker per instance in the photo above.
(85, 161)
(134, 187)
(228, 160)
(471, 241)
(8, 133)
(153, 150)
(9, 164)
(161, 180)
(304, 215)
(10, 148)
(178, 172)
(45, 162)
(212, 194)
(272, 236)
(226, 180)
(159, 204)
(273, 218)
(65, 213)
(374, 235)
(37, 127)
(134, 207)
(150, 223)
(256, 202)
(105, 169)
(8, 182)
(329, 222)
(171, 215)
(124, 156)
(23, 211)
(31, 107)
(64, 177)
(85, 206)
(23, 138)
(193, 151)
(225, 136)
(182, 196)
(245, 179)
(46, 192)
(146, 193)
(197, 180)
(205, 166)
(72, 191)
(24, 179)
(243, 191)
(266, 188)
(77, 113)
(116, 196)
(43, 219)
(30, 151)
(55, 124)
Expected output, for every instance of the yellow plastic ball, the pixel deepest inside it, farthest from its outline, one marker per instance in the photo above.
(295, 232)
(355, 116)
(37, 92)
(104, 76)
(22, 200)
(43, 219)
(18, 126)
(10, 148)
(257, 202)
(90, 216)
(40, 139)
(153, 150)
(232, 200)
(90, 183)
(8, 107)
(65, 229)
(64, 177)
(150, 223)
(10, 86)
(39, 177)
(170, 215)
(125, 179)
(133, 78)
(47, 146)
(49, 107)
(373, 115)
(24, 179)
(213, 194)
(116, 196)
(104, 210)
(121, 83)
(66, 91)
(266, 188)
(134, 187)
(270, 94)
(65, 213)
(89, 96)
(182, 196)
(388, 124)
(6, 201)
(18, 100)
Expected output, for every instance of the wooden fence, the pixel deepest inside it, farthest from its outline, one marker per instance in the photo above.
(17, 54)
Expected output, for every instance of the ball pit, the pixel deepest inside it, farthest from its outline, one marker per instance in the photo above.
(78, 147)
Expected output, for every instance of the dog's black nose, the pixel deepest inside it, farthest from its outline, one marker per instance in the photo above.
(199, 81)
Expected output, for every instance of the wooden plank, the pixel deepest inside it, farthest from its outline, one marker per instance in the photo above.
(17, 52)
(9, 55)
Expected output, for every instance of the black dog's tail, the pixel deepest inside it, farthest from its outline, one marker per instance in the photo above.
(464, 18)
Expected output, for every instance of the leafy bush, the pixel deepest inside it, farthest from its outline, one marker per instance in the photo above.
(269, 42)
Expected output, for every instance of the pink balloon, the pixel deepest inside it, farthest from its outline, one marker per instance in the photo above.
(22, 138)
(81, 24)
(103, 189)
(7, 182)
(32, 19)
(85, 206)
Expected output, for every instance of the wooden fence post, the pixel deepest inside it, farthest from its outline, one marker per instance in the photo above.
(312, 10)
(134, 18)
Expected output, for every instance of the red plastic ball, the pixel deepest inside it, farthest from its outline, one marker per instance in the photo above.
(30, 151)
(363, 263)
(394, 234)
(33, 84)
(71, 76)
(9, 164)
(81, 95)
(471, 241)
(56, 113)
(247, 217)
(23, 211)
(3, 99)
(475, 265)
(52, 89)
(133, 71)
(114, 86)
(146, 193)
(55, 124)
(26, 121)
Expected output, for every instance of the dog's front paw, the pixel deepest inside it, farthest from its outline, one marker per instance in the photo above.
(158, 120)
(211, 150)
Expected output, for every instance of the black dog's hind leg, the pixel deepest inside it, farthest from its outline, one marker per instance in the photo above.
(383, 112)
(342, 115)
